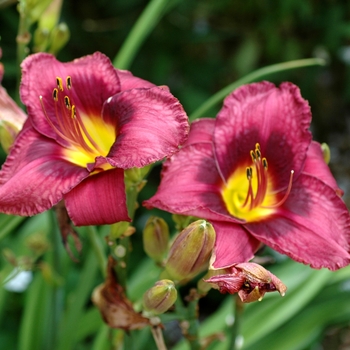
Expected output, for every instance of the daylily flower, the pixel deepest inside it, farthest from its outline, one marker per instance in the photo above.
(250, 280)
(11, 116)
(256, 175)
(87, 122)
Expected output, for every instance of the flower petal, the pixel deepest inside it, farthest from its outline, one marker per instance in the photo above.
(202, 130)
(151, 124)
(317, 167)
(233, 245)
(129, 81)
(35, 176)
(191, 185)
(98, 200)
(313, 227)
(94, 79)
(276, 118)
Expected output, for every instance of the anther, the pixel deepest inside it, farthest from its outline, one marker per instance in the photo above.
(59, 83)
(69, 82)
(55, 94)
(73, 112)
(67, 102)
(252, 154)
(257, 146)
(258, 153)
(264, 162)
(249, 171)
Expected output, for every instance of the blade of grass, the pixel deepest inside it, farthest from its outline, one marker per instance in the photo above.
(141, 29)
(257, 75)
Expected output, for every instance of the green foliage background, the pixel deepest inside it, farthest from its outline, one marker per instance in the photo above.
(197, 48)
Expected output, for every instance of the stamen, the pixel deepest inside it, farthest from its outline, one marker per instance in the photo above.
(73, 115)
(252, 154)
(51, 124)
(264, 162)
(69, 82)
(55, 94)
(258, 153)
(59, 83)
(257, 146)
(67, 102)
(249, 171)
(278, 204)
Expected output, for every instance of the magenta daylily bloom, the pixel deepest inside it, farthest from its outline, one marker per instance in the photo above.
(256, 174)
(87, 122)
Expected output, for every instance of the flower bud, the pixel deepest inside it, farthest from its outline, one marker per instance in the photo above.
(191, 250)
(11, 116)
(59, 37)
(326, 152)
(160, 297)
(156, 238)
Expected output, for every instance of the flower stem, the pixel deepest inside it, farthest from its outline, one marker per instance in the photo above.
(236, 327)
(97, 246)
(190, 327)
(23, 39)
(142, 28)
(254, 76)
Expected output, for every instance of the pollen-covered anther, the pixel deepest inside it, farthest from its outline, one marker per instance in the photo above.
(264, 163)
(59, 83)
(69, 82)
(67, 102)
(73, 113)
(55, 94)
(249, 171)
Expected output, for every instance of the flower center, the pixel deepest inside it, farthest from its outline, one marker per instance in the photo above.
(88, 136)
(249, 194)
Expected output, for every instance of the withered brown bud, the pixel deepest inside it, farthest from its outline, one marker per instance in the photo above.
(250, 280)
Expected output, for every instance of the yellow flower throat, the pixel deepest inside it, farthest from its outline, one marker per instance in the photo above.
(249, 194)
(88, 136)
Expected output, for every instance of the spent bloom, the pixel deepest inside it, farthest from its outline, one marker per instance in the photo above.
(256, 175)
(87, 123)
(250, 280)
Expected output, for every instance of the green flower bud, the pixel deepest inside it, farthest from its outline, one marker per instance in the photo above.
(156, 238)
(326, 153)
(191, 250)
(59, 37)
(160, 297)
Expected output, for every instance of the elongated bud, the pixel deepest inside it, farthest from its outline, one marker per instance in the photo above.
(11, 120)
(160, 297)
(156, 238)
(59, 37)
(191, 250)
(326, 153)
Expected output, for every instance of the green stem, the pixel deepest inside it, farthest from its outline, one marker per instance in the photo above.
(141, 29)
(98, 249)
(193, 329)
(23, 39)
(254, 76)
(10, 225)
(235, 331)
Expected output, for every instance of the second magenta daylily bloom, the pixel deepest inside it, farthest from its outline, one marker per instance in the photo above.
(87, 122)
(256, 175)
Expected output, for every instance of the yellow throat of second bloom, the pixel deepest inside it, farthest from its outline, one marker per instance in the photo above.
(249, 193)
